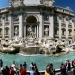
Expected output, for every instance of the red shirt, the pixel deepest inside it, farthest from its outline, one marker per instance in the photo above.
(23, 72)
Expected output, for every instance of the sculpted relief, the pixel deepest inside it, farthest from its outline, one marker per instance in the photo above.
(46, 31)
(16, 31)
(15, 2)
(30, 31)
(16, 18)
(48, 2)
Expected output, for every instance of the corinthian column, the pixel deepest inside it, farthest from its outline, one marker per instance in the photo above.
(24, 30)
(20, 25)
(37, 31)
(41, 26)
(3, 22)
(67, 28)
(60, 33)
(11, 31)
(51, 27)
(73, 30)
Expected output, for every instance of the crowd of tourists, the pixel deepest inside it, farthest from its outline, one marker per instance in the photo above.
(22, 69)
(15, 70)
(64, 68)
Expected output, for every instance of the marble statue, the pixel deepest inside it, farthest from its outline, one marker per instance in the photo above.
(10, 2)
(30, 31)
(21, 2)
(16, 31)
(51, 2)
(46, 31)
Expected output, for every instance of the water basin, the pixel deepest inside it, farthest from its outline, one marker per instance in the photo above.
(40, 60)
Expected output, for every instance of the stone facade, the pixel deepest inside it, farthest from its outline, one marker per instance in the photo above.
(37, 18)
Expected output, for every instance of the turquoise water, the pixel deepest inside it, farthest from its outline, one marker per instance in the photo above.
(40, 60)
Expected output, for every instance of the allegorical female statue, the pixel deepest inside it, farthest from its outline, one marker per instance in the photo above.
(30, 31)
(10, 2)
(16, 31)
(46, 31)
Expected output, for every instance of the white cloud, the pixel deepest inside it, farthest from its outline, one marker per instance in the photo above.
(68, 8)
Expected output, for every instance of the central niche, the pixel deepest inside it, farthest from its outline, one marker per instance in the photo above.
(31, 19)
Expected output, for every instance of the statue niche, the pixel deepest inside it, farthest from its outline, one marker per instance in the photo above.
(30, 32)
(16, 31)
(46, 31)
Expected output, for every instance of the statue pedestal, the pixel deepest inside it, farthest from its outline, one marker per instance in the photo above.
(31, 41)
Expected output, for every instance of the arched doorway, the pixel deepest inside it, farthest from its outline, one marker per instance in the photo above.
(31, 19)
(31, 26)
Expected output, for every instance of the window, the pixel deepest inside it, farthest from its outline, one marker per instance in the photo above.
(69, 42)
(63, 19)
(0, 31)
(46, 17)
(55, 32)
(63, 32)
(55, 18)
(6, 31)
(69, 33)
(70, 20)
(0, 19)
(6, 17)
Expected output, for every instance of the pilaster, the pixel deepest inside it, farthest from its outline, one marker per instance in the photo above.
(67, 28)
(24, 30)
(51, 27)
(41, 26)
(20, 25)
(37, 30)
(60, 32)
(11, 31)
(73, 30)
(3, 23)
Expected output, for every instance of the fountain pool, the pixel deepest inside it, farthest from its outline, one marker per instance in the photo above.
(40, 60)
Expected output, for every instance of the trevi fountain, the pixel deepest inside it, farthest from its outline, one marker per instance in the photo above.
(37, 50)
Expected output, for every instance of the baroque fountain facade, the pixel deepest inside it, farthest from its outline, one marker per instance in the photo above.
(40, 29)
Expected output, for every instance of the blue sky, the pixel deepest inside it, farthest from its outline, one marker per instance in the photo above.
(62, 3)
(66, 3)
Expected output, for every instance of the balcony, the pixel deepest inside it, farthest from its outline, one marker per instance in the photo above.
(69, 26)
(56, 22)
(46, 22)
(6, 22)
(63, 36)
(70, 23)
(6, 35)
(70, 36)
(16, 22)
(56, 35)
(63, 26)
(63, 22)
(70, 29)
